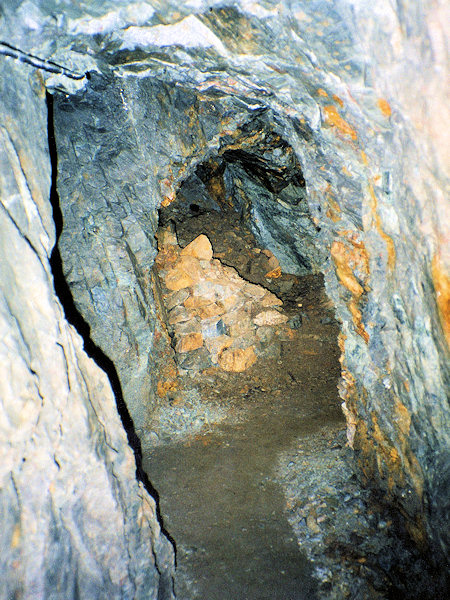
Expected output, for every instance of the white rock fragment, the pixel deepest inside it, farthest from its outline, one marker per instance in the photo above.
(190, 32)
(269, 317)
(136, 13)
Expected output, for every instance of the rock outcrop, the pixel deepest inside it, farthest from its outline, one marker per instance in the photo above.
(321, 123)
(75, 521)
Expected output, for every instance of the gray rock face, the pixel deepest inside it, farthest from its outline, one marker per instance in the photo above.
(357, 97)
(75, 521)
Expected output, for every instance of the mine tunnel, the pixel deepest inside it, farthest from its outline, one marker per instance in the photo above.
(250, 365)
(210, 314)
(224, 300)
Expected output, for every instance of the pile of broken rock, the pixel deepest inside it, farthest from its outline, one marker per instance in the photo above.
(214, 317)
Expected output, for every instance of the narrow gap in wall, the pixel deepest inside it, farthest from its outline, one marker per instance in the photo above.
(74, 317)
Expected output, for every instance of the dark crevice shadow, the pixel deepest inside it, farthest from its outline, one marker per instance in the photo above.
(74, 317)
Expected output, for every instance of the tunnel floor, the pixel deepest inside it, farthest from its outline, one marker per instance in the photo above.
(252, 469)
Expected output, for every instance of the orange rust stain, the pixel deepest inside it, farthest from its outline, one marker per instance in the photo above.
(333, 216)
(334, 119)
(386, 238)
(346, 171)
(322, 92)
(340, 255)
(338, 100)
(402, 417)
(274, 274)
(394, 455)
(166, 386)
(397, 464)
(346, 259)
(364, 158)
(334, 209)
(341, 343)
(357, 320)
(385, 107)
(441, 282)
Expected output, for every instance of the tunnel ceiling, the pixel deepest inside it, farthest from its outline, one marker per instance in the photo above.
(260, 178)
(310, 107)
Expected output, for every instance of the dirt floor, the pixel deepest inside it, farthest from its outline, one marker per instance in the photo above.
(254, 477)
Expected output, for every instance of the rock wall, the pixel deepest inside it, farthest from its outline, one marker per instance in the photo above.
(75, 522)
(358, 92)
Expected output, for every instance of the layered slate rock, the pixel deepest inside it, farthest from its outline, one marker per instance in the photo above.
(359, 95)
(75, 522)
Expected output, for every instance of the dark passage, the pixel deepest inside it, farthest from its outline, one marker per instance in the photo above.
(220, 487)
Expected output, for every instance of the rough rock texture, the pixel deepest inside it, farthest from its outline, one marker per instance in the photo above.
(75, 522)
(214, 316)
(355, 95)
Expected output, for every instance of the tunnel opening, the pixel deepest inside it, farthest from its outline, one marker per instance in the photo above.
(254, 481)
(251, 368)
(238, 282)
(250, 457)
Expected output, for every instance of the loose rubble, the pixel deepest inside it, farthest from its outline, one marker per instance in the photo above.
(214, 316)
(352, 540)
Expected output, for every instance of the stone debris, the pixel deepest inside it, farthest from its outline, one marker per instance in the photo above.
(211, 308)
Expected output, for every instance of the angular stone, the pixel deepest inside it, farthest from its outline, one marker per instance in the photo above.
(216, 345)
(197, 360)
(253, 291)
(195, 302)
(211, 310)
(178, 315)
(237, 359)
(270, 317)
(190, 341)
(191, 265)
(241, 324)
(176, 298)
(234, 316)
(199, 248)
(234, 301)
(177, 279)
(212, 290)
(213, 327)
(265, 334)
(184, 327)
(271, 300)
(167, 237)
